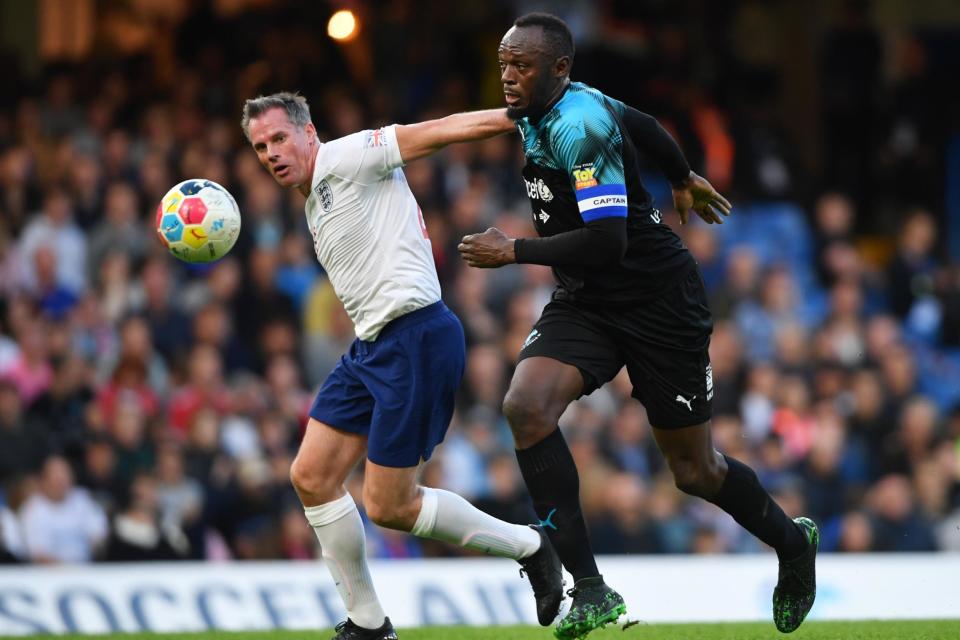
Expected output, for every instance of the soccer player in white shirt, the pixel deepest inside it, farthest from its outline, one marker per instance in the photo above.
(391, 396)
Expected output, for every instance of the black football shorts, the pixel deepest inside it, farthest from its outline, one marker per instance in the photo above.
(663, 343)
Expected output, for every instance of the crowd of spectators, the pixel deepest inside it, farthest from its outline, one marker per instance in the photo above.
(150, 409)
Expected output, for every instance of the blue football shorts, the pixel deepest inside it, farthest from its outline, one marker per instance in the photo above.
(399, 389)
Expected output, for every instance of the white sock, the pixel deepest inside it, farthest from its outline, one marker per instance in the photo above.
(448, 517)
(340, 531)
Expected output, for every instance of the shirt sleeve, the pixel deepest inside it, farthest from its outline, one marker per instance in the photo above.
(366, 156)
(588, 145)
(650, 136)
(598, 243)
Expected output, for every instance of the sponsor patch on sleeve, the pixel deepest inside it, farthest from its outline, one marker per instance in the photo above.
(583, 176)
(602, 201)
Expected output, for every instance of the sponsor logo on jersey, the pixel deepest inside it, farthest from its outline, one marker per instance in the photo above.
(544, 191)
(544, 216)
(709, 382)
(655, 216)
(538, 190)
(376, 138)
(583, 176)
(325, 195)
(530, 339)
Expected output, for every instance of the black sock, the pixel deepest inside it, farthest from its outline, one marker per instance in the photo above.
(554, 484)
(744, 498)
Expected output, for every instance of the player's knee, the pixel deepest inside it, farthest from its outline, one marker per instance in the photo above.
(388, 514)
(308, 481)
(379, 513)
(528, 414)
(299, 475)
(515, 409)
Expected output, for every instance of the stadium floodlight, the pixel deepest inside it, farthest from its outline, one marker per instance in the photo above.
(343, 26)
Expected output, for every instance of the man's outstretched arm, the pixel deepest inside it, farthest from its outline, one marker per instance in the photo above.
(424, 138)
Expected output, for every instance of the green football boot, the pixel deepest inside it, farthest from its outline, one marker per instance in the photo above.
(797, 584)
(595, 605)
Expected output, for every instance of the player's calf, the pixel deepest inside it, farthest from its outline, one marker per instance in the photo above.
(700, 478)
(448, 517)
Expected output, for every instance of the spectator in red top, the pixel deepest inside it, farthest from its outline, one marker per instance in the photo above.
(204, 389)
(130, 381)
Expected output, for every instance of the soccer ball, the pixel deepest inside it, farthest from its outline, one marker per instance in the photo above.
(198, 221)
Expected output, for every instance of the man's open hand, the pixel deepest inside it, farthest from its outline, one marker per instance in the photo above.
(699, 195)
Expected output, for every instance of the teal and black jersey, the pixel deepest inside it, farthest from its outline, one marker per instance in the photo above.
(581, 167)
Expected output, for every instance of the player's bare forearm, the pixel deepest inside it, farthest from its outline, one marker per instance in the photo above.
(488, 250)
(424, 138)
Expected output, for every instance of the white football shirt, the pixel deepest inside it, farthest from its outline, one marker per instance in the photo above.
(368, 230)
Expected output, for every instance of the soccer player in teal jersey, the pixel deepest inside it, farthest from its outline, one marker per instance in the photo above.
(629, 294)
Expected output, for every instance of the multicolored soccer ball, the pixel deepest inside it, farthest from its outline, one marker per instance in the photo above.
(198, 221)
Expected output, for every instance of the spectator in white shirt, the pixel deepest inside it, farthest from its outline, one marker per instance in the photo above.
(62, 523)
(55, 227)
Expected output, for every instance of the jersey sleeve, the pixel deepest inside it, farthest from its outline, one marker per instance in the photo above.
(588, 146)
(366, 156)
(649, 136)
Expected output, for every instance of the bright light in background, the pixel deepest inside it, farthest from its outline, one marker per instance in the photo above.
(342, 25)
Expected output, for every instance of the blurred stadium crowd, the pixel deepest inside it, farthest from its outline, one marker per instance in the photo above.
(150, 409)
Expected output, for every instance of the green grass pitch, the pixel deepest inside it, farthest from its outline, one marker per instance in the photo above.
(873, 630)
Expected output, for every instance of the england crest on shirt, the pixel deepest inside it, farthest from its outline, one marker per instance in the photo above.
(325, 195)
